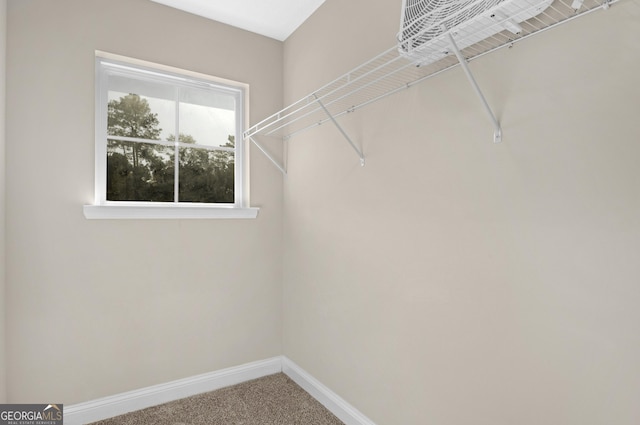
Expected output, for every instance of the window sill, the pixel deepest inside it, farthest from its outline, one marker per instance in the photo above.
(114, 212)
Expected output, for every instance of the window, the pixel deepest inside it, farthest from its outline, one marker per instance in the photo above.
(166, 139)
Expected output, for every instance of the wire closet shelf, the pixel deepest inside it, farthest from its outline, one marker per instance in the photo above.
(421, 53)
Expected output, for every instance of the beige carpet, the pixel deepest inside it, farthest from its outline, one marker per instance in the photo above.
(271, 400)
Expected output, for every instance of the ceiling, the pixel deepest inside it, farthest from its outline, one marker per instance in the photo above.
(272, 18)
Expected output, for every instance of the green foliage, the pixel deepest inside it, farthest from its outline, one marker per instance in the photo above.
(131, 116)
(145, 171)
(207, 176)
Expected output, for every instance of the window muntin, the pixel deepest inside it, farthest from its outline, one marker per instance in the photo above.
(140, 111)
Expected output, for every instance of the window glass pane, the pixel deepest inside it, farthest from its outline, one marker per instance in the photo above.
(206, 117)
(206, 176)
(141, 109)
(139, 172)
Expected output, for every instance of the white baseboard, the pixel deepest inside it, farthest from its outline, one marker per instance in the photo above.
(108, 407)
(333, 402)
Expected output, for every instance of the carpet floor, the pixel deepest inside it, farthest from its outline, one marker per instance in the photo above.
(271, 400)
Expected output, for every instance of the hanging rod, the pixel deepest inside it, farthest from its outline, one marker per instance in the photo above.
(389, 72)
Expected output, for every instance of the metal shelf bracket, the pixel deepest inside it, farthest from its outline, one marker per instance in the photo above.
(268, 155)
(346, 136)
(497, 132)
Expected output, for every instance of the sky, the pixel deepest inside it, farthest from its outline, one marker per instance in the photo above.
(208, 125)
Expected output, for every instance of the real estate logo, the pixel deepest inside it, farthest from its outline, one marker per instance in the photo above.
(31, 414)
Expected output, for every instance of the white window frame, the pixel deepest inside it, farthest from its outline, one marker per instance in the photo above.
(109, 64)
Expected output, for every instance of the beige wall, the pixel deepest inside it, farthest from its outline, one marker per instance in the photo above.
(100, 307)
(454, 281)
(3, 34)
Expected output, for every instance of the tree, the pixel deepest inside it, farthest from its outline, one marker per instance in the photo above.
(207, 175)
(130, 174)
(131, 116)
